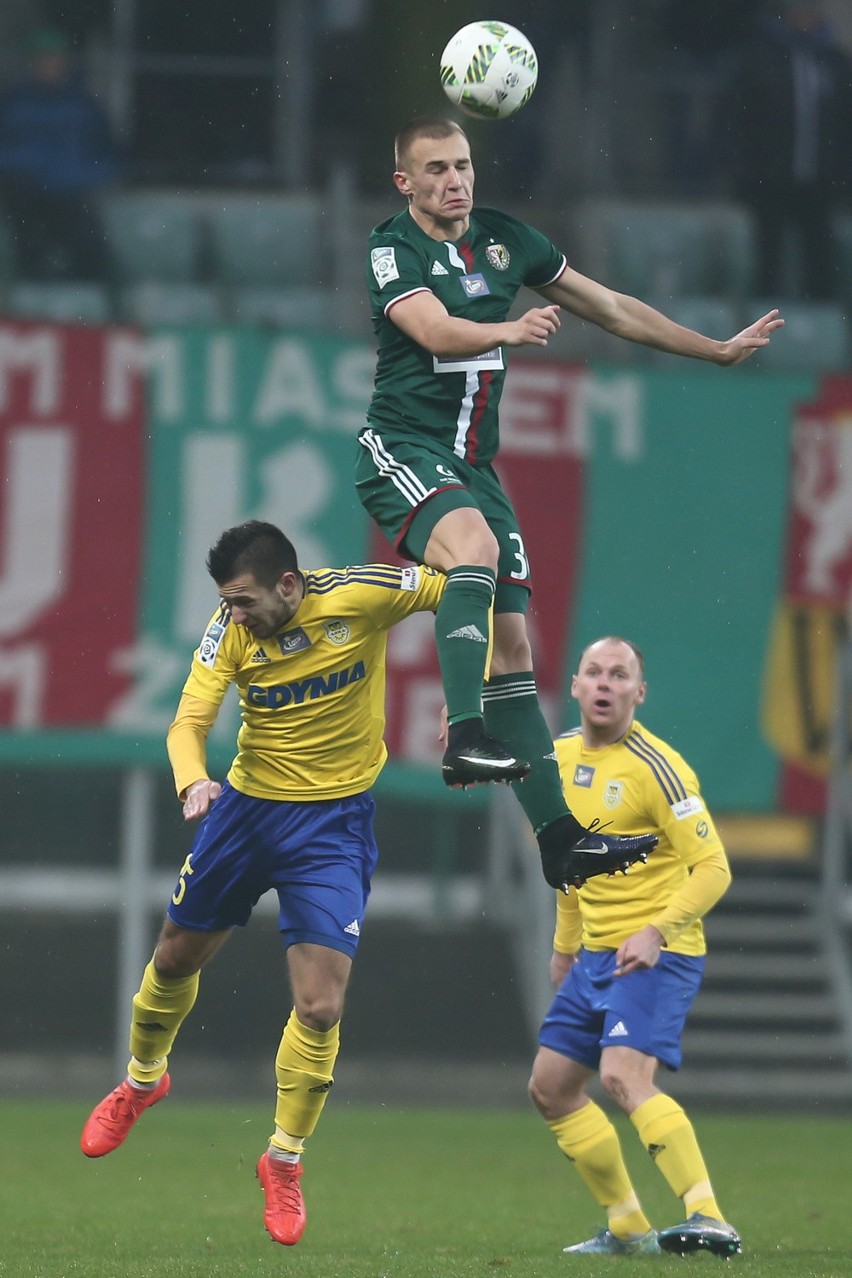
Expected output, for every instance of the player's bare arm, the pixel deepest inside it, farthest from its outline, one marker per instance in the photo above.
(425, 319)
(636, 321)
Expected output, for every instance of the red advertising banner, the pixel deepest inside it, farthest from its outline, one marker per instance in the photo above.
(541, 470)
(811, 617)
(71, 524)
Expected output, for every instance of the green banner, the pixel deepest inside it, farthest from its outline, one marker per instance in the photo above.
(683, 539)
(243, 424)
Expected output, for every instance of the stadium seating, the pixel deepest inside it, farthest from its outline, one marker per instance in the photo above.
(7, 252)
(266, 241)
(665, 249)
(66, 302)
(843, 241)
(308, 308)
(815, 337)
(156, 302)
(153, 236)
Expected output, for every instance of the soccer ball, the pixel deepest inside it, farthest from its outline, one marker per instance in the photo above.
(489, 69)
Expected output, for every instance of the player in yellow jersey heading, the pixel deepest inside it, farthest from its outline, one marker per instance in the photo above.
(628, 960)
(306, 650)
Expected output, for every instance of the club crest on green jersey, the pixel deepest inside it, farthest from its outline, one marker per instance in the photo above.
(498, 256)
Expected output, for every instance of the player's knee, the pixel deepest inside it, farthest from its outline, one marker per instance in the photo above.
(174, 961)
(616, 1085)
(320, 1013)
(536, 1094)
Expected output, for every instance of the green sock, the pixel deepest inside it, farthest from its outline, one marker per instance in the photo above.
(513, 715)
(462, 629)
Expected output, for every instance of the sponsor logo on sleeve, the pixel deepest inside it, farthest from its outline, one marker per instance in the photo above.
(687, 807)
(209, 645)
(383, 262)
(584, 776)
(409, 578)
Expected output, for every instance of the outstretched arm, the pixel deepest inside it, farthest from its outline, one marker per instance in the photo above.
(425, 319)
(635, 321)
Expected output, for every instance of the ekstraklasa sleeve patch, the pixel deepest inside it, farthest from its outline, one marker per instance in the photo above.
(383, 262)
(687, 807)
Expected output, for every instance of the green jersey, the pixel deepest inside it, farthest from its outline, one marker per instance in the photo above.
(451, 401)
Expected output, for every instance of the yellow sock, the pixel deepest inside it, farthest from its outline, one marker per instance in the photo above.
(588, 1139)
(669, 1138)
(159, 1009)
(303, 1068)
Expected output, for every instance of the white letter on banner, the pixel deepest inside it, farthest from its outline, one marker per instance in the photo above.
(213, 489)
(35, 536)
(40, 353)
(126, 356)
(23, 671)
(291, 386)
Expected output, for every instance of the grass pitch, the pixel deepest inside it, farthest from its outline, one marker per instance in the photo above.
(394, 1194)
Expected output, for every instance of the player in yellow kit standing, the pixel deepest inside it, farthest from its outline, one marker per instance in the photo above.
(628, 960)
(306, 650)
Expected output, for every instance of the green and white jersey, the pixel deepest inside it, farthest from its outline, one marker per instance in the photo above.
(451, 401)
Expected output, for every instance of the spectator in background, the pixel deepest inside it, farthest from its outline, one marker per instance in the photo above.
(56, 154)
(790, 122)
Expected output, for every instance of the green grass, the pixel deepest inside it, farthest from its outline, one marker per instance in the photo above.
(393, 1194)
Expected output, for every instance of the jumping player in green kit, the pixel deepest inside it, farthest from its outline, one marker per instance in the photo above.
(442, 278)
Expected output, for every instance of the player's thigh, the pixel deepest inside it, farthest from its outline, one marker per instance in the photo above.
(322, 872)
(514, 577)
(407, 488)
(646, 1010)
(572, 1026)
(557, 1083)
(226, 870)
(460, 537)
(318, 979)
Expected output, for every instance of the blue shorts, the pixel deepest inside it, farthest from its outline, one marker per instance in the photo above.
(319, 857)
(645, 1010)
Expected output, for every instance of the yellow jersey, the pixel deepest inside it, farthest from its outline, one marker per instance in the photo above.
(312, 697)
(640, 785)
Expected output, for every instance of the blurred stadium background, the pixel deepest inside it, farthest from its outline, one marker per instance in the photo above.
(221, 371)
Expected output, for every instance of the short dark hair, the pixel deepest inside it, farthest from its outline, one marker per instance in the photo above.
(628, 643)
(424, 126)
(255, 547)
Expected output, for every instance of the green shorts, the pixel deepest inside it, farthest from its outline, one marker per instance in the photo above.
(407, 487)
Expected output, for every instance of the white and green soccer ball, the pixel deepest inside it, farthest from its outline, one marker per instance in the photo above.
(489, 69)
